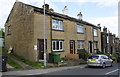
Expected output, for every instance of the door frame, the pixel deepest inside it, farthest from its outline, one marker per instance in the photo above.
(90, 46)
(38, 47)
(73, 45)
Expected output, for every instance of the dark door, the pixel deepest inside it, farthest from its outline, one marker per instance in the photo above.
(90, 46)
(41, 48)
(111, 49)
(72, 47)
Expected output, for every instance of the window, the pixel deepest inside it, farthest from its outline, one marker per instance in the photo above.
(57, 45)
(9, 30)
(80, 28)
(95, 32)
(104, 57)
(93, 57)
(107, 39)
(95, 44)
(81, 44)
(113, 40)
(57, 24)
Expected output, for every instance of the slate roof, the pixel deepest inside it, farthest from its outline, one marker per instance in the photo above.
(37, 9)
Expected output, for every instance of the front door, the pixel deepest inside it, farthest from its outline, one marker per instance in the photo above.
(72, 47)
(41, 49)
(90, 46)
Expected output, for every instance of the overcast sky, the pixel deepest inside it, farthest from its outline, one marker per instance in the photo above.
(104, 12)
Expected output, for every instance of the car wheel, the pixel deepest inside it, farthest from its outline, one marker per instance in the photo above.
(103, 66)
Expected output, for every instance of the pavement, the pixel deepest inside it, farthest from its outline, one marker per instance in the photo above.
(114, 70)
(42, 71)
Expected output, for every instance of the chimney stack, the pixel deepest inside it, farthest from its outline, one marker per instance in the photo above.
(51, 10)
(80, 16)
(46, 7)
(65, 10)
(105, 29)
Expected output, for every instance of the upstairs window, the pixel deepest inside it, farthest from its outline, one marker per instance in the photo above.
(107, 39)
(95, 32)
(9, 30)
(81, 44)
(57, 24)
(80, 28)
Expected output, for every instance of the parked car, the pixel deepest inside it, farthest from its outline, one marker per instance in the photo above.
(118, 59)
(99, 60)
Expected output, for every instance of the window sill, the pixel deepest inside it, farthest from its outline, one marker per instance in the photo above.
(58, 51)
(58, 30)
(95, 36)
(95, 49)
(79, 33)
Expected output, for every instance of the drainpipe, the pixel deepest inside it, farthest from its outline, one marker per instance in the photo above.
(51, 30)
(108, 41)
(93, 39)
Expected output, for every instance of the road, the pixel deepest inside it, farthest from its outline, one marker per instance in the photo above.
(90, 71)
(81, 72)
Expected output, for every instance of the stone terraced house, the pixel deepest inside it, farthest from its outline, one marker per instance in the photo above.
(64, 34)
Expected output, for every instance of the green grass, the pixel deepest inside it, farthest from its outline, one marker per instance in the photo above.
(10, 61)
(14, 64)
(37, 65)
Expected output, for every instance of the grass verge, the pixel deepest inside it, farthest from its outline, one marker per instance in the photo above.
(14, 64)
(10, 61)
(37, 65)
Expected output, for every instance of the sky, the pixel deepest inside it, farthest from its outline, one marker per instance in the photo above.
(104, 12)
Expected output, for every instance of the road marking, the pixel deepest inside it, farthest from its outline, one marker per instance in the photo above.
(111, 71)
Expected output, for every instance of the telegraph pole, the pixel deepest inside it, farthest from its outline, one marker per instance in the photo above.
(108, 41)
(44, 24)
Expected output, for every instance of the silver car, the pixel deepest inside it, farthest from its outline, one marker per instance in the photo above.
(99, 60)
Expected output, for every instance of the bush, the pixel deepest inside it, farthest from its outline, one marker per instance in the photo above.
(116, 54)
(83, 54)
(99, 52)
(108, 54)
(64, 59)
(113, 58)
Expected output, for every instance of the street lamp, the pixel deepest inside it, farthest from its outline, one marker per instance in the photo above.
(44, 24)
(108, 41)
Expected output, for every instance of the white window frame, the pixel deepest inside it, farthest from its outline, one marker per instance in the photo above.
(9, 30)
(107, 39)
(80, 28)
(57, 26)
(95, 32)
(56, 45)
(81, 43)
(95, 44)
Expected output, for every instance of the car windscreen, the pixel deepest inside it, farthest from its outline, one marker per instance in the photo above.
(93, 57)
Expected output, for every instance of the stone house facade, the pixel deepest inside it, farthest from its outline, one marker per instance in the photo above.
(109, 42)
(64, 34)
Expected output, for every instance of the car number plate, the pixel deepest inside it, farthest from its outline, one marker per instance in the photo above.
(92, 59)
